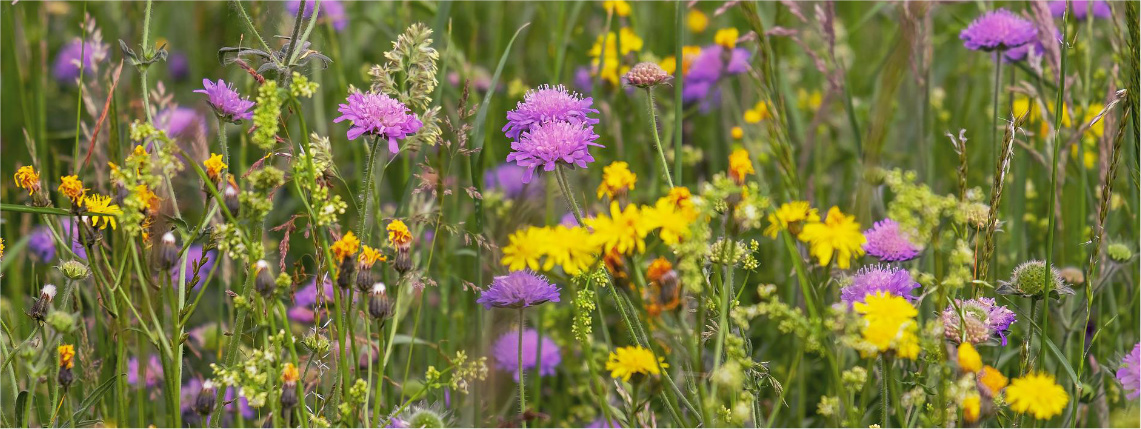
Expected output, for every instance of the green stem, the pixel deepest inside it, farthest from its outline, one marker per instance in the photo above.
(658, 141)
(521, 383)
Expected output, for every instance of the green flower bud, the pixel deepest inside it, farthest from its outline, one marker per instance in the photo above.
(1031, 280)
(1119, 252)
(74, 270)
(426, 418)
(62, 322)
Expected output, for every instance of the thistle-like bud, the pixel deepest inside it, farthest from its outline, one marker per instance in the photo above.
(230, 197)
(379, 307)
(1031, 280)
(168, 252)
(646, 75)
(264, 283)
(345, 274)
(403, 261)
(364, 278)
(40, 308)
(74, 270)
(207, 397)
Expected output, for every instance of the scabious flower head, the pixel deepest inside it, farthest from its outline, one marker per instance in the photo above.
(519, 289)
(889, 324)
(72, 188)
(981, 320)
(66, 356)
(26, 177)
(347, 246)
(65, 68)
(378, 115)
(740, 165)
(103, 211)
(624, 231)
(998, 29)
(398, 234)
(991, 381)
(506, 353)
(227, 103)
(1129, 374)
(508, 179)
(331, 10)
(616, 180)
(308, 300)
(181, 122)
(1038, 395)
(548, 104)
(791, 216)
(152, 373)
(873, 279)
(1080, 9)
(550, 143)
(626, 362)
(888, 243)
(214, 167)
(839, 235)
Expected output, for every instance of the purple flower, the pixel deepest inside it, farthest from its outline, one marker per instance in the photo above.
(331, 10)
(888, 243)
(583, 80)
(194, 256)
(181, 122)
(998, 29)
(307, 301)
(508, 178)
(227, 103)
(710, 66)
(66, 230)
(65, 68)
(547, 104)
(981, 319)
(519, 289)
(152, 373)
(1129, 374)
(178, 65)
(41, 244)
(506, 352)
(378, 115)
(190, 392)
(568, 220)
(1020, 53)
(1081, 7)
(549, 143)
(878, 278)
(603, 422)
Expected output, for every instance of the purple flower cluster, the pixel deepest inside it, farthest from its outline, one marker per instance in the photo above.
(506, 353)
(42, 245)
(519, 289)
(378, 115)
(878, 278)
(998, 29)
(190, 392)
(888, 243)
(549, 126)
(331, 10)
(181, 122)
(1129, 374)
(227, 103)
(1081, 8)
(65, 68)
(548, 104)
(980, 320)
(712, 64)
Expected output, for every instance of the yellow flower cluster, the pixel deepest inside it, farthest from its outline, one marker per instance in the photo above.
(345, 247)
(616, 180)
(27, 178)
(837, 236)
(625, 362)
(72, 188)
(290, 374)
(1038, 395)
(889, 324)
(542, 248)
(605, 59)
(618, 7)
(790, 217)
(758, 113)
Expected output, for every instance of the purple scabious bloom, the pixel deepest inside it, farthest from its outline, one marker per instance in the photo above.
(227, 103)
(194, 256)
(181, 122)
(331, 10)
(1081, 7)
(508, 178)
(519, 289)
(878, 278)
(152, 373)
(981, 319)
(41, 244)
(307, 301)
(65, 68)
(710, 66)
(190, 392)
(67, 229)
(888, 243)
(1020, 53)
(1129, 374)
(547, 104)
(506, 352)
(583, 80)
(378, 115)
(998, 29)
(550, 143)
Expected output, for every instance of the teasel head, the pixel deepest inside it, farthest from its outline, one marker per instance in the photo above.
(379, 307)
(367, 258)
(168, 252)
(230, 196)
(207, 397)
(66, 362)
(401, 239)
(40, 308)
(289, 377)
(264, 283)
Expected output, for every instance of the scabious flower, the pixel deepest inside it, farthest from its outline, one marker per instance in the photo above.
(506, 353)
(508, 179)
(839, 235)
(519, 289)
(624, 231)
(551, 143)
(998, 29)
(378, 115)
(889, 324)
(1129, 374)
(626, 362)
(791, 216)
(1080, 9)
(41, 244)
(616, 180)
(646, 75)
(981, 320)
(152, 373)
(331, 10)
(740, 166)
(888, 243)
(65, 68)
(103, 211)
(308, 301)
(72, 188)
(548, 104)
(873, 279)
(227, 103)
(1038, 395)
(713, 63)
(26, 177)
(181, 122)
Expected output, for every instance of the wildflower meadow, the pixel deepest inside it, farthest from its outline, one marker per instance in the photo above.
(322, 213)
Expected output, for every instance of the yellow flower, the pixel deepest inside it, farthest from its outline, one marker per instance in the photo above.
(740, 165)
(889, 324)
(148, 198)
(66, 356)
(214, 167)
(289, 374)
(611, 69)
(345, 247)
(673, 220)
(526, 249)
(726, 37)
(969, 359)
(1038, 395)
(658, 268)
(809, 101)
(102, 205)
(369, 256)
(27, 178)
(758, 113)
(398, 233)
(737, 133)
(570, 248)
(971, 406)
(688, 54)
(1, 247)
(72, 188)
(680, 197)
(622, 231)
(619, 7)
(839, 235)
(625, 362)
(616, 180)
(991, 380)
(791, 216)
(696, 20)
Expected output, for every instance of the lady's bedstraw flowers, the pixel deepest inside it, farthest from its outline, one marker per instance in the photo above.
(998, 29)
(627, 362)
(1038, 395)
(838, 236)
(519, 289)
(226, 102)
(1129, 374)
(506, 353)
(888, 243)
(378, 115)
(27, 178)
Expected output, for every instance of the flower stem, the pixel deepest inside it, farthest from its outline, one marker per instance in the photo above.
(884, 402)
(522, 384)
(222, 145)
(657, 140)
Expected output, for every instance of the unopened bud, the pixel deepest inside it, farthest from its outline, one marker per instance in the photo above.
(206, 399)
(168, 252)
(40, 308)
(379, 307)
(264, 283)
(230, 197)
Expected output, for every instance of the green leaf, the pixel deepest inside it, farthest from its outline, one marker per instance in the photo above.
(93, 396)
(21, 408)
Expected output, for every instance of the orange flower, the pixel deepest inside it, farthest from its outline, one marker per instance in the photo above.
(72, 188)
(28, 178)
(369, 256)
(66, 356)
(345, 247)
(740, 165)
(398, 234)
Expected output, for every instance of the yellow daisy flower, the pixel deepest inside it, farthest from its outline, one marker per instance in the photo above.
(791, 216)
(839, 235)
(697, 21)
(571, 249)
(526, 249)
(991, 381)
(625, 362)
(889, 324)
(624, 230)
(727, 37)
(214, 167)
(969, 359)
(66, 356)
(616, 180)
(1038, 395)
(398, 233)
(369, 256)
(758, 113)
(345, 247)
(72, 188)
(290, 374)
(673, 222)
(737, 133)
(740, 165)
(611, 69)
(27, 178)
(102, 205)
(971, 407)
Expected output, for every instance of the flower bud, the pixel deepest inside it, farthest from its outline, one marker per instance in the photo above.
(345, 274)
(403, 261)
(289, 377)
(206, 399)
(63, 322)
(646, 75)
(74, 270)
(230, 197)
(168, 252)
(1031, 280)
(364, 278)
(40, 308)
(379, 307)
(264, 283)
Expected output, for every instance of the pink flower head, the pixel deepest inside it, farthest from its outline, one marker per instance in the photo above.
(550, 143)
(878, 278)
(1130, 373)
(888, 243)
(519, 289)
(506, 352)
(227, 103)
(378, 115)
(998, 29)
(548, 104)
